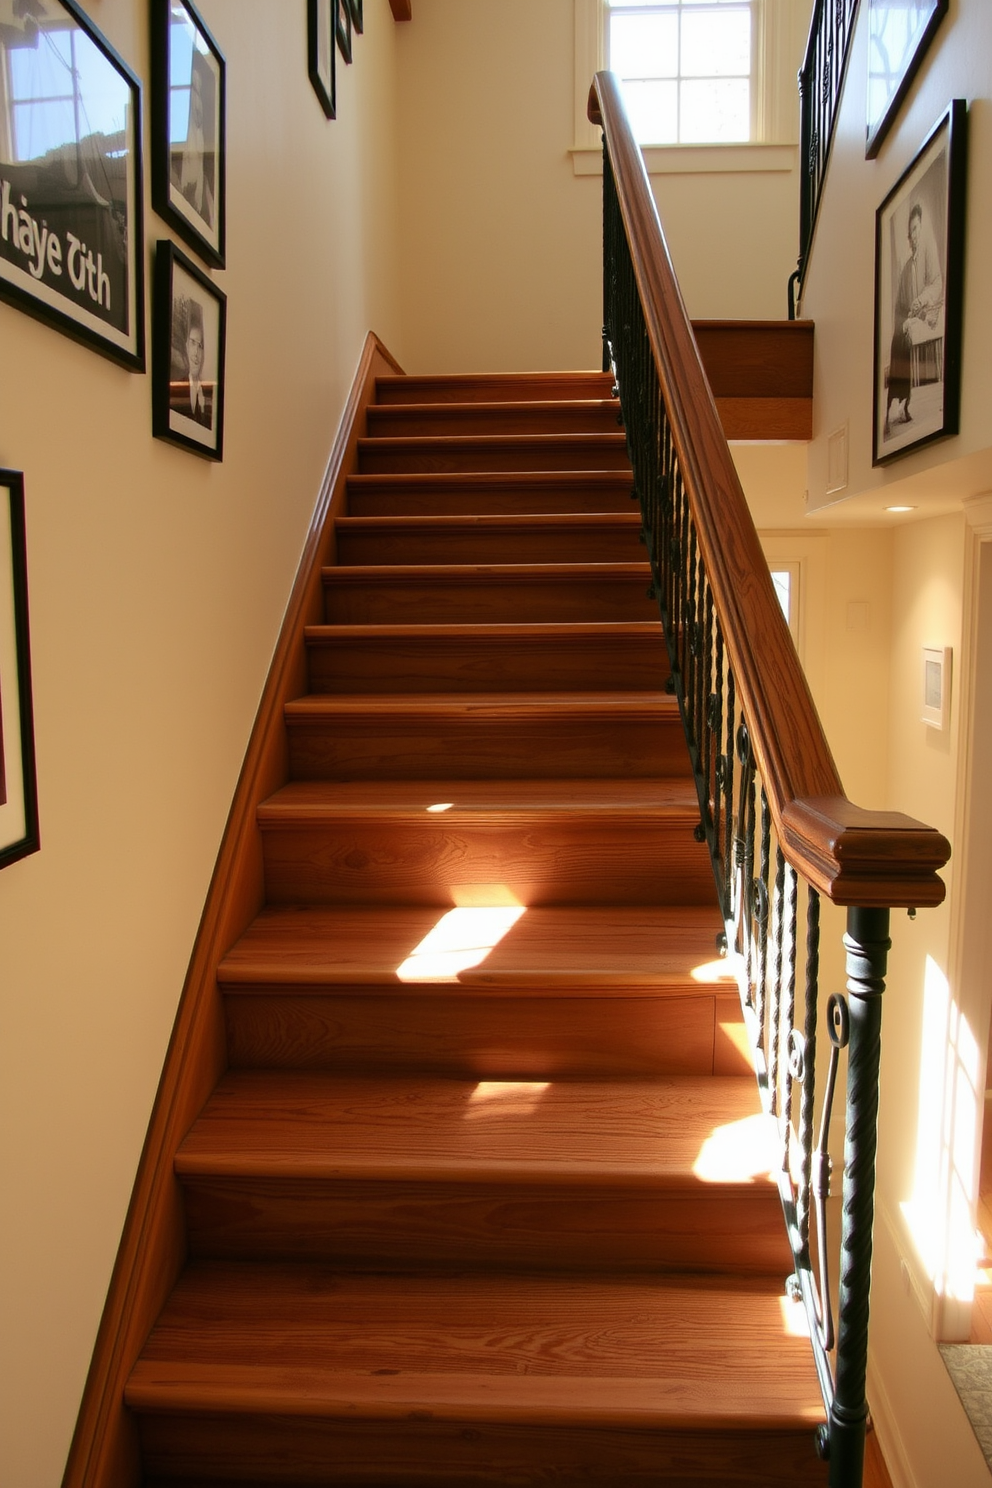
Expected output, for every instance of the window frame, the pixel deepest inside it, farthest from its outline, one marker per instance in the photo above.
(780, 29)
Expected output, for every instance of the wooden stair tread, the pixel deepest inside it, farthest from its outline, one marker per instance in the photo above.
(531, 522)
(640, 1351)
(476, 800)
(483, 706)
(490, 386)
(474, 573)
(573, 951)
(675, 1131)
(565, 632)
(417, 443)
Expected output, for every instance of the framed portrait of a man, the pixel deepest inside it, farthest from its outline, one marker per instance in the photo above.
(188, 128)
(18, 785)
(71, 246)
(321, 52)
(919, 266)
(189, 321)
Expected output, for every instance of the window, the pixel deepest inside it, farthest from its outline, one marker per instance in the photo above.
(686, 68)
(785, 580)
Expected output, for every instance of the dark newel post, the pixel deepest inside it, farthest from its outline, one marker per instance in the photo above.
(867, 943)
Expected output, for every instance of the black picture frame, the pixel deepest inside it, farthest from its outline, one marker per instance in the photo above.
(185, 299)
(342, 28)
(919, 294)
(899, 32)
(71, 238)
(19, 834)
(357, 15)
(189, 141)
(322, 53)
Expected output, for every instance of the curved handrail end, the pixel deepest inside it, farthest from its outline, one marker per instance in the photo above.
(869, 858)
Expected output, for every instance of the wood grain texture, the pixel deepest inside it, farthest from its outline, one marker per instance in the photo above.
(489, 492)
(793, 757)
(493, 387)
(572, 416)
(479, 737)
(104, 1451)
(479, 593)
(465, 453)
(594, 537)
(543, 656)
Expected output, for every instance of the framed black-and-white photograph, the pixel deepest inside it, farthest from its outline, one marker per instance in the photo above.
(18, 783)
(936, 698)
(188, 130)
(919, 267)
(189, 321)
(343, 27)
(899, 32)
(321, 52)
(357, 15)
(71, 249)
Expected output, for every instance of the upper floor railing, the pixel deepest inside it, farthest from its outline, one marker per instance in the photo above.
(820, 80)
(781, 833)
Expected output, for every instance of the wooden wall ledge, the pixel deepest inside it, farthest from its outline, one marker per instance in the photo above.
(402, 9)
(761, 373)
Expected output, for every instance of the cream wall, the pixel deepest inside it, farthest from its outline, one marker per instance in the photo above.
(512, 278)
(157, 586)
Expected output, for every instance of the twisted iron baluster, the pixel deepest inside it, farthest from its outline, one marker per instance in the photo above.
(789, 1011)
(775, 1010)
(808, 1075)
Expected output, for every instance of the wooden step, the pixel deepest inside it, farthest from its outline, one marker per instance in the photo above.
(484, 993)
(542, 657)
(509, 387)
(674, 1172)
(457, 1380)
(418, 420)
(461, 842)
(484, 736)
(594, 537)
(497, 593)
(478, 452)
(516, 493)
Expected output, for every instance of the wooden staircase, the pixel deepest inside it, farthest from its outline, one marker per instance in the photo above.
(483, 1196)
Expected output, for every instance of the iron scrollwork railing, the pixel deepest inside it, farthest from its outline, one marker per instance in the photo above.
(821, 78)
(781, 834)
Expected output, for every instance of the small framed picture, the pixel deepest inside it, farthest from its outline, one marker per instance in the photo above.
(18, 782)
(71, 249)
(936, 686)
(343, 27)
(188, 128)
(919, 268)
(321, 52)
(899, 32)
(357, 17)
(189, 323)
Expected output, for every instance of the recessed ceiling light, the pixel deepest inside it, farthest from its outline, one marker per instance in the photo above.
(900, 508)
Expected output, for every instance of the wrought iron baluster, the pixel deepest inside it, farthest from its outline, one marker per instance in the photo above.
(789, 1010)
(808, 1068)
(775, 1008)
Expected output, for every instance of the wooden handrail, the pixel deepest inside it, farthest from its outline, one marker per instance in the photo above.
(854, 857)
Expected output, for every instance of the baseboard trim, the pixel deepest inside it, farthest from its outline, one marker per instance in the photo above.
(104, 1451)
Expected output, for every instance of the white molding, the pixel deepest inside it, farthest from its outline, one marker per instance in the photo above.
(588, 32)
(978, 515)
(889, 1435)
(696, 160)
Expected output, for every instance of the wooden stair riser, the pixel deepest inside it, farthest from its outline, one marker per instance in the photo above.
(484, 494)
(507, 387)
(397, 596)
(452, 1032)
(396, 421)
(456, 660)
(534, 863)
(569, 746)
(559, 452)
(528, 1226)
(428, 1453)
(432, 540)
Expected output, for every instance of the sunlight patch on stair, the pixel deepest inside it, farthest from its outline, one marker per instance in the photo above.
(506, 1097)
(738, 1152)
(795, 1323)
(460, 939)
(711, 972)
(440, 806)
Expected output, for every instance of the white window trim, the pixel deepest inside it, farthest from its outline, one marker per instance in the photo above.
(781, 26)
